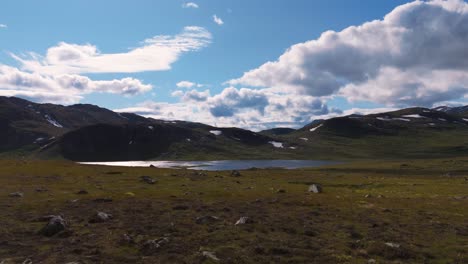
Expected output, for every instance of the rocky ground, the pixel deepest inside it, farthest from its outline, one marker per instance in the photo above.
(360, 212)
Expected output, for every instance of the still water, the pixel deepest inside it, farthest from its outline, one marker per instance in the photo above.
(218, 165)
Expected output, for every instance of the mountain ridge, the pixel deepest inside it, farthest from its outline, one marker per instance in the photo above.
(87, 132)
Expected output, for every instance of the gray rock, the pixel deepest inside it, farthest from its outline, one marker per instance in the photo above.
(392, 245)
(16, 194)
(55, 225)
(235, 173)
(100, 217)
(148, 179)
(154, 244)
(244, 220)
(127, 239)
(371, 261)
(210, 255)
(315, 188)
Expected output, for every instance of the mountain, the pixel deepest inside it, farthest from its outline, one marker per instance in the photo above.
(460, 111)
(86, 132)
(411, 132)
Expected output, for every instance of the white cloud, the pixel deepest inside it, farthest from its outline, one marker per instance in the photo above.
(156, 54)
(65, 88)
(218, 20)
(192, 96)
(3, 26)
(188, 84)
(190, 5)
(248, 108)
(416, 55)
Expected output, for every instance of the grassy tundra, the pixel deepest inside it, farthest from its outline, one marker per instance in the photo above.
(412, 211)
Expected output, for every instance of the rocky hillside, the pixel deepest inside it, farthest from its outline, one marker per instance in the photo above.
(90, 133)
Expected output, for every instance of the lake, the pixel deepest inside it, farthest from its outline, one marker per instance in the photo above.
(219, 165)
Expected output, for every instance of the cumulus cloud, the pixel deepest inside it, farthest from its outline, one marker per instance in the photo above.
(248, 108)
(190, 5)
(3, 26)
(218, 20)
(155, 54)
(192, 96)
(416, 55)
(188, 84)
(65, 88)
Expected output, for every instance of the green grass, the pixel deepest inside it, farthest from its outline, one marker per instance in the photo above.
(419, 204)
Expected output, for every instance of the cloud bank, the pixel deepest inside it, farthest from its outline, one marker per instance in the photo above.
(56, 77)
(416, 55)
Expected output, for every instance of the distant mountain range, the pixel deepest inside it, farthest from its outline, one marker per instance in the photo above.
(89, 133)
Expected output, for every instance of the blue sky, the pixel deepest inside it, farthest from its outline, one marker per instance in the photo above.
(252, 34)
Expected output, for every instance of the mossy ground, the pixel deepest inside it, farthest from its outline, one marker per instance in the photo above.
(422, 205)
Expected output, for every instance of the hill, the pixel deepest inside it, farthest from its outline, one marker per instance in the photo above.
(90, 133)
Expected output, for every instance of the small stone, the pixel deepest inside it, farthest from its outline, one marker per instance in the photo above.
(148, 179)
(82, 192)
(127, 239)
(244, 220)
(16, 194)
(210, 255)
(152, 166)
(392, 245)
(154, 244)
(235, 173)
(315, 188)
(371, 261)
(100, 217)
(55, 225)
(281, 191)
(368, 196)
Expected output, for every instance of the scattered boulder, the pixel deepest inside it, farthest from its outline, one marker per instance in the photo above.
(281, 191)
(244, 220)
(55, 225)
(127, 240)
(147, 179)
(235, 173)
(152, 166)
(154, 244)
(16, 194)
(207, 219)
(392, 245)
(315, 188)
(100, 217)
(82, 192)
(210, 255)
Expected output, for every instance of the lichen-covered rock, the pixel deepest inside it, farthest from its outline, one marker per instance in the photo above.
(55, 225)
(315, 188)
(100, 217)
(244, 220)
(16, 194)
